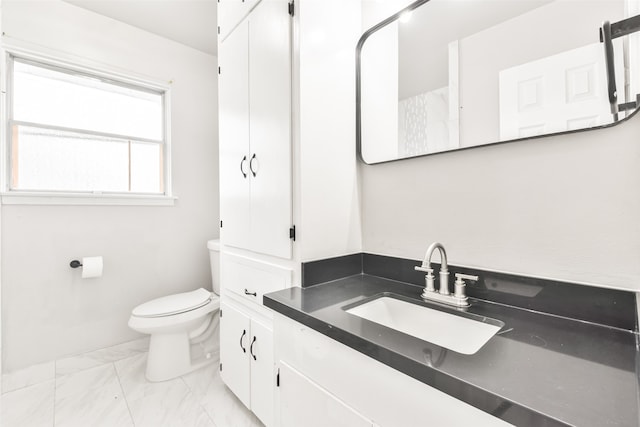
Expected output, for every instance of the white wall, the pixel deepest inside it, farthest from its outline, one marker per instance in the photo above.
(564, 207)
(327, 207)
(375, 11)
(47, 310)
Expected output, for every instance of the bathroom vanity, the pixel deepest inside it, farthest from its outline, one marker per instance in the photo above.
(542, 368)
(322, 382)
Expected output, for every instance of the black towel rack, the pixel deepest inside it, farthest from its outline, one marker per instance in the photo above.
(609, 32)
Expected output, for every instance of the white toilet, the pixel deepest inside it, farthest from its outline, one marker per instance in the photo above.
(176, 322)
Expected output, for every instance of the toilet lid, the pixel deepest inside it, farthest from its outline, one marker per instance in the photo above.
(173, 304)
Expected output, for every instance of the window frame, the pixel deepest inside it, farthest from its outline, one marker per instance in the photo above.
(81, 67)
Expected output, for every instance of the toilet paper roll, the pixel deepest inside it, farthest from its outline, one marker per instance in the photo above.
(91, 267)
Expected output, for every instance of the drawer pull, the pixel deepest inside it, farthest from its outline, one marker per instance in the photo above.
(244, 332)
(251, 348)
(246, 292)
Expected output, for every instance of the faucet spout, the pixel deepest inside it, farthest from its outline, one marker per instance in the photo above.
(443, 256)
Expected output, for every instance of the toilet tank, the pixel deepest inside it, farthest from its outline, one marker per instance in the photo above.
(214, 257)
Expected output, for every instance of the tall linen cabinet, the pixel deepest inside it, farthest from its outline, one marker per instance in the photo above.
(255, 190)
(287, 157)
(255, 131)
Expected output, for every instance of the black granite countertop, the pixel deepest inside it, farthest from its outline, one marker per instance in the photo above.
(539, 370)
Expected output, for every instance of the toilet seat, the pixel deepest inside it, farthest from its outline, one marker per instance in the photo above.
(167, 323)
(173, 304)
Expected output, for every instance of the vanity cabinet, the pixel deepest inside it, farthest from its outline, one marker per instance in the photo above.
(255, 132)
(356, 385)
(302, 402)
(246, 360)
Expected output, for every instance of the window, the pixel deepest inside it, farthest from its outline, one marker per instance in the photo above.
(74, 132)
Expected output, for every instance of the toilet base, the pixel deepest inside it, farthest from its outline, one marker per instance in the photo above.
(170, 357)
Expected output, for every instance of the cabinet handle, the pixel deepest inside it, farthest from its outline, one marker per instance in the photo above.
(244, 159)
(244, 332)
(251, 165)
(246, 292)
(251, 348)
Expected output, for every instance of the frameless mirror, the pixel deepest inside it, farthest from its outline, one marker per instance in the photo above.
(440, 75)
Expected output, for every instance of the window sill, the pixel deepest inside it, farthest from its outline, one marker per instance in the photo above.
(18, 198)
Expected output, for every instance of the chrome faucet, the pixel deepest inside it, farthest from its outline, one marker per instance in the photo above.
(459, 299)
(444, 272)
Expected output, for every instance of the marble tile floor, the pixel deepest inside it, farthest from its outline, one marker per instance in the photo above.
(108, 389)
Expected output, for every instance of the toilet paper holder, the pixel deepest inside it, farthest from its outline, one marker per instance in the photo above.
(91, 266)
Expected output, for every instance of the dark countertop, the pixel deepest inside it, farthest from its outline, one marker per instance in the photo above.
(539, 370)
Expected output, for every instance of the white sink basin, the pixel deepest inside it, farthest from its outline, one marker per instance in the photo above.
(465, 333)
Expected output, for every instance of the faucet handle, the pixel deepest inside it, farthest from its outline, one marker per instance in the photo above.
(463, 277)
(429, 280)
(459, 285)
(422, 268)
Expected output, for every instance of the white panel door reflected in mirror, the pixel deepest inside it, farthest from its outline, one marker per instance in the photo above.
(456, 74)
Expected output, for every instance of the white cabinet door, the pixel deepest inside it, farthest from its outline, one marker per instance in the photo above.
(255, 132)
(235, 341)
(235, 206)
(246, 355)
(262, 376)
(304, 403)
(270, 127)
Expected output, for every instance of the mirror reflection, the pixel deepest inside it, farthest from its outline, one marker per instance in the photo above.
(454, 74)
